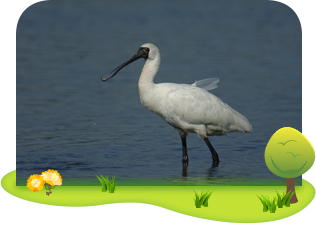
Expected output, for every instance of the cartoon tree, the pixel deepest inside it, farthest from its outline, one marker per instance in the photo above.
(289, 154)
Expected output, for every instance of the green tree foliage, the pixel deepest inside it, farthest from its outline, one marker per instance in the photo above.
(289, 154)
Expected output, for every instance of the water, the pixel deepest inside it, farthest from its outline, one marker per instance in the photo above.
(69, 120)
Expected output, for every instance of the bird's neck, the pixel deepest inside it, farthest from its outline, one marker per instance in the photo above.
(146, 84)
(150, 69)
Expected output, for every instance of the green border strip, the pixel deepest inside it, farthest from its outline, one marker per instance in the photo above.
(17, 211)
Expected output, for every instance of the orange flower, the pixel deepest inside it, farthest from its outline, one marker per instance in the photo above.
(35, 183)
(52, 177)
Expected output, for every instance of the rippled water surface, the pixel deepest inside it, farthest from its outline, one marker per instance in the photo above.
(68, 120)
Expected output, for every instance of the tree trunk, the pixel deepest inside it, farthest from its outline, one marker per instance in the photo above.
(291, 186)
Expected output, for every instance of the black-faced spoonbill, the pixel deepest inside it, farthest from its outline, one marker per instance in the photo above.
(188, 108)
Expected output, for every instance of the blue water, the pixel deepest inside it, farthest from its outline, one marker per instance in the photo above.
(69, 120)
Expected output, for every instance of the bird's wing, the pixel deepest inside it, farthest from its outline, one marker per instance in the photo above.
(194, 105)
(197, 106)
(207, 84)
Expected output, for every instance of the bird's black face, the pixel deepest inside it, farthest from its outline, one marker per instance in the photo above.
(141, 53)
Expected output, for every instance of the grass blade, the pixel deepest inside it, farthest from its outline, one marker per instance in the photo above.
(112, 185)
(286, 197)
(273, 205)
(288, 204)
(102, 183)
(280, 200)
(205, 202)
(202, 199)
(264, 203)
(197, 201)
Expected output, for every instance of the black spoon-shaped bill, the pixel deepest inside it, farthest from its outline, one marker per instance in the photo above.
(141, 53)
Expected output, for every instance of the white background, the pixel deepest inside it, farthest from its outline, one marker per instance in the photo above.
(7, 103)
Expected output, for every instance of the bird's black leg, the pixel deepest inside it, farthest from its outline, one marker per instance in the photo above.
(185, 158)
(214, 153)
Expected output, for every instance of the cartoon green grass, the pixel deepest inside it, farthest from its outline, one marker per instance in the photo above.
(107, 184)
(202, 200)
(289, 154)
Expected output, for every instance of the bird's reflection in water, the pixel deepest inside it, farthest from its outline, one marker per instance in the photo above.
(210, 171)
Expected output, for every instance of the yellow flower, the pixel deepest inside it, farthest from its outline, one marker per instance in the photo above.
(35, 182)
(52, 177)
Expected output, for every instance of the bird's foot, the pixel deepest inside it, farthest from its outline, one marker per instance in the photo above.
(184, 169)
(215, 163)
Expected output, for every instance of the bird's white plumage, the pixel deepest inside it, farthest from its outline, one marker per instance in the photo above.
(188, 108)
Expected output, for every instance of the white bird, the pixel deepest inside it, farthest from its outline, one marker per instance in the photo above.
(188, 108)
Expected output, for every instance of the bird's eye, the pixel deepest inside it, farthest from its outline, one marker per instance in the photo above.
(146, 50)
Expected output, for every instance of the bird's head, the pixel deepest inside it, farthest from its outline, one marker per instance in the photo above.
(146, 51)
